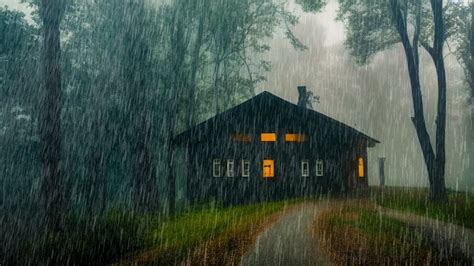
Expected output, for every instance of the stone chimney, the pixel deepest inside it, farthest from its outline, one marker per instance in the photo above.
(303, 98)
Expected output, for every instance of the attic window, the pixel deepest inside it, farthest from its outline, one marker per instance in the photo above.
(361, 167)
(242, 137)
(268, 137)
(295, 137)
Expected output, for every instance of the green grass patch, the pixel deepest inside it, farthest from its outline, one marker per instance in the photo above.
(459, 209)
(110, 237)
(357, 233)
(176, 237)
(193, 226)
(391, 237)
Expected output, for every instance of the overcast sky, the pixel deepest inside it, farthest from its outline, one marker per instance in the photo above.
(374, 99)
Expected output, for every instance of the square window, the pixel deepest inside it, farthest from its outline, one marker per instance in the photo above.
(319, 168)
(305, 168)
(245, 168)
(216, 168)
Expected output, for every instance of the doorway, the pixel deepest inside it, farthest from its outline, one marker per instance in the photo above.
(268, 169)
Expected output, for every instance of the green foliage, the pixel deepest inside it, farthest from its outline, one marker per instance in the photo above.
(107, 238)
(18, 55)
(311, 5)
(462, 38)
(85, 241)
(371, 28)
(129, 70)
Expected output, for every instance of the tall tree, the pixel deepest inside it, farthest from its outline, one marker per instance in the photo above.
(376, 25)
(137, 77)
(53, 188)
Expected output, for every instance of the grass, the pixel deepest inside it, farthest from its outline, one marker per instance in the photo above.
(356, 233)
(459, 209)
(150, 237)
(221, 230)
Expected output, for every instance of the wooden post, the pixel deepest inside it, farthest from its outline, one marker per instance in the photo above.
(382, 171)
(189, 173)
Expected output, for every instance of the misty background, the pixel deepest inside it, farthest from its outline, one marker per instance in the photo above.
(373, 98)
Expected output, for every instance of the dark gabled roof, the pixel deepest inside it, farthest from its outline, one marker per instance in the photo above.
(273, 105)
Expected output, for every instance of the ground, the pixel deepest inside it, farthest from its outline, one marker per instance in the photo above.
(289, 241)
(379, 227)
(336, 231)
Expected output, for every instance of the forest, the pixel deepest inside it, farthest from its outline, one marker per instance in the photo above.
(92, 93)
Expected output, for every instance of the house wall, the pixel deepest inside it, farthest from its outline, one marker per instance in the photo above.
(340, 169)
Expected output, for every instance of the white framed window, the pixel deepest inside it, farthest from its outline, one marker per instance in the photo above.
(216, 168)
(230, 168)
(305, 168)
(319, 168)
(245, 168)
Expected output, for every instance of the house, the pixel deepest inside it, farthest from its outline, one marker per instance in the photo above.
(269, 148)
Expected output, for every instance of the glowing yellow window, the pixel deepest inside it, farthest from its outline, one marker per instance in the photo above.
(268, 137)
(361, 167)
(268, 168)
(295, 137)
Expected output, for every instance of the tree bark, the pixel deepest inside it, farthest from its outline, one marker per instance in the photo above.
(49, 126)
(191, 116)
(438, 190)
(140, 127)
(435, 163)
(178, 58)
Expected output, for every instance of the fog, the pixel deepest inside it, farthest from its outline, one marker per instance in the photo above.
(374, 98)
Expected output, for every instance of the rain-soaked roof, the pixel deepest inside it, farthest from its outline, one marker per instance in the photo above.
(265, 107)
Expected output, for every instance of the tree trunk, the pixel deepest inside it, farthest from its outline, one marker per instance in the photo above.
(438, 190)
(435, 163)
(177, 58)
(49, 126)
(140, 127)
(191, 116)
(144, 169)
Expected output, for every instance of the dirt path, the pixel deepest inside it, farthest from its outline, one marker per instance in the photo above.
(450, 238)
(289, 241)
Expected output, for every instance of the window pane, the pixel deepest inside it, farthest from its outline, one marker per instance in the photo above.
(305, 168)
(230, 168)
(268, 137)
(268, 168)
(319, 168)
(295, 137)
(216, 168)
(245, 168)
(242, 137)
(361, 167)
